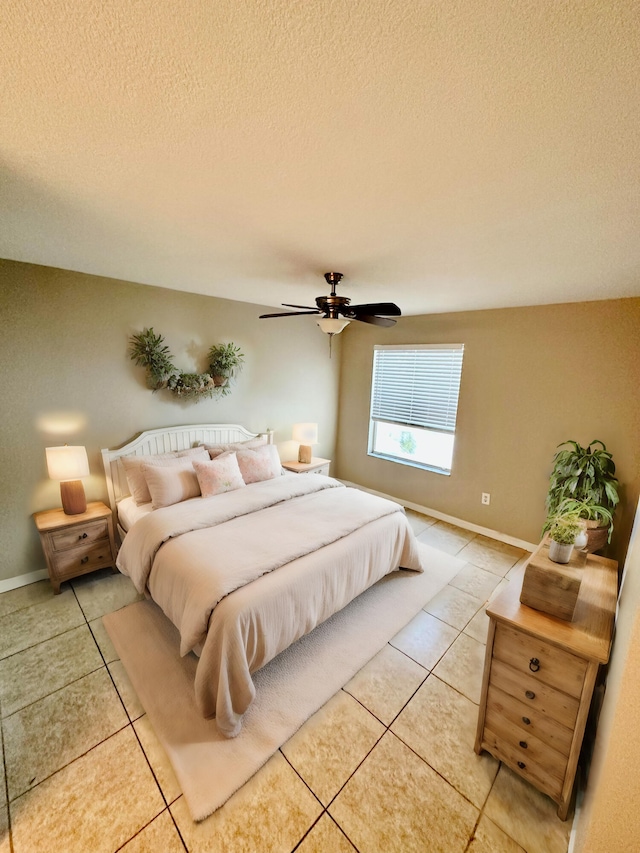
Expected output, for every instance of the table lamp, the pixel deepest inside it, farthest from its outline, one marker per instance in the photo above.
(306, 434)
(69, 464)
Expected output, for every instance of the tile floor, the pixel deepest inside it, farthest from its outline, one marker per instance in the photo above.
(386, 765)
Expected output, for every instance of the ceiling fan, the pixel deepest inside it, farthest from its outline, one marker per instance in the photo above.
(336, 312)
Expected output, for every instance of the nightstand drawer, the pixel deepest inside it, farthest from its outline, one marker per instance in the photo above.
(530, 721)
(534, 694)
(83, 559)
(526, 745)
(80, 534)
(545, 779)
(540, 660)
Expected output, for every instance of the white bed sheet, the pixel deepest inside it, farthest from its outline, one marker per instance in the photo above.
(129, 512)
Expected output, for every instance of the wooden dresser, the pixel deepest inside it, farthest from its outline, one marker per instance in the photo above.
(538, 681)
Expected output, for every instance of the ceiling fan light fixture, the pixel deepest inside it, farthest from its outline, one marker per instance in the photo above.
(332, 326)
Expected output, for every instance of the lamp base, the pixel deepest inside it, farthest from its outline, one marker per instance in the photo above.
(304, 453)
(73, 497)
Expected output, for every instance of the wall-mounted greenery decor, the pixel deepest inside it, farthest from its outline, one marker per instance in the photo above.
(148, 350)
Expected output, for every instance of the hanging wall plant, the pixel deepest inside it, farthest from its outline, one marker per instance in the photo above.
(148, 350)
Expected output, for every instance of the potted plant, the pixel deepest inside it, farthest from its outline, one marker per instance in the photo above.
(225, 362)
(563, 530)
(583, 480)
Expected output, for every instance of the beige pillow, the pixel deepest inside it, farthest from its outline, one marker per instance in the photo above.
(170, 484)
(216, 449)
(219, 475)
(135, 477)
(261, 463)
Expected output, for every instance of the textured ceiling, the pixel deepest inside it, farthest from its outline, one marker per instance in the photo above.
(446, 155)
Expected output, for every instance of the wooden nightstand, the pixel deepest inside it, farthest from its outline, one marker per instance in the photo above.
(76, 544)
(316, 466)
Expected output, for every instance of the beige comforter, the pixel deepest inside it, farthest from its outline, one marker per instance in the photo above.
(209, 563)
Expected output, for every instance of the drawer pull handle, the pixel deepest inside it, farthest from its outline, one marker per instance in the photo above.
(82, 536)
(526, 721)
(534, 664)
(84, 560)
(521, 765)
(524, 744)
(530, 694)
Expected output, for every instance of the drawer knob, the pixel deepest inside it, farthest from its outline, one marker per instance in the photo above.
(82, 536)
(521, 765)
(530, 694)
(534, 664)
(84, 560)
(526, 721)
(524, 744)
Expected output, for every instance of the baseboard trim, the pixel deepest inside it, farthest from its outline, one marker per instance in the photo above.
(451, 519)
(23, 580)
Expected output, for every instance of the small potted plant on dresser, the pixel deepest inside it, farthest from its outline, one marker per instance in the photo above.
(563, 531)
(583, 480)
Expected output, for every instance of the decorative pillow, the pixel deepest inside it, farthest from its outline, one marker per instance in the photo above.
(135, 477)
(216, 450)
(170, 484)
(219, 475)
(260, 464)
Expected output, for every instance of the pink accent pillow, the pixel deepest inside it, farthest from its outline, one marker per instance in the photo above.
(216, 450)
(170, 484)
(260, 464)
(136, 478)
(219, 475)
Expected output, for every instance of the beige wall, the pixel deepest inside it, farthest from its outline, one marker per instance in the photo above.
(531, 378)
(63, 351)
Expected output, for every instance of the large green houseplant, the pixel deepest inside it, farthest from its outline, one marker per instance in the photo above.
(583, 480)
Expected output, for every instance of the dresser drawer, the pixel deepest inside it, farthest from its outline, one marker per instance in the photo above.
(539, 660)
(535, 694)
(84, 534)
(526, 745)
(530, 721)
(544, 778)
(75, 561)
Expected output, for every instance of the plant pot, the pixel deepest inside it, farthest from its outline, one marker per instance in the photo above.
(596, 536)
(560, 553)
(219, 381)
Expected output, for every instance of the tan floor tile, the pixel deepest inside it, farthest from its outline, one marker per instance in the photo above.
(5, 843)
(25, 596)
(475, 581)
(157, 758)
(418, 521)
(462, 667)
(160, 836)
(489, 838)
(269, 814)
(325, 837)
(453, 606)
(103, 592)
(103, 640)
(478, 628)
(504, 583)
(386, 683)
(125, 689)
(526, 815)
(396, 802)
(446, 537)
(96, 803)
(3, 787)
(425, 639)
(484, 557)
(331, 744)
(502, 547)
(43, 737)
(39, 622)
(440, 725)
(29, 675)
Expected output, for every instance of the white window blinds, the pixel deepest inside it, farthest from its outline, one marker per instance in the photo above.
(417, 385)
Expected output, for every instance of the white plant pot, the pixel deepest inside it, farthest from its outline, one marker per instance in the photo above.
(560, 553)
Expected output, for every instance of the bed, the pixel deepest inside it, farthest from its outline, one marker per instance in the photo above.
(244, 573)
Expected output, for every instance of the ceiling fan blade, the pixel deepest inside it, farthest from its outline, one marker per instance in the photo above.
(308, 307)
(287, 314)
(387, 309)
(375, 321)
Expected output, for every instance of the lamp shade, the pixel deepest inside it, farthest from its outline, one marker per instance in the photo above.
(67, 463)
(332, 326)
(305, 433)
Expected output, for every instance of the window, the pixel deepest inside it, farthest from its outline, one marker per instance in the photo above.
(414, 403)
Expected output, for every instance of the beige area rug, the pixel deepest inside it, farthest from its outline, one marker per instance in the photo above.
(292, 687)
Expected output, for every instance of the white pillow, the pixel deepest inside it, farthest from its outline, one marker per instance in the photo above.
(170, 484)
(219, 475)
(216, 450)
(260, 464)
(135, 477)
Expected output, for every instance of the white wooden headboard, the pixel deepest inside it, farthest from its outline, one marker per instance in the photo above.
(164, 440)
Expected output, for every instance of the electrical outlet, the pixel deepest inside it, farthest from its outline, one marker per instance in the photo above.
(486, 498)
